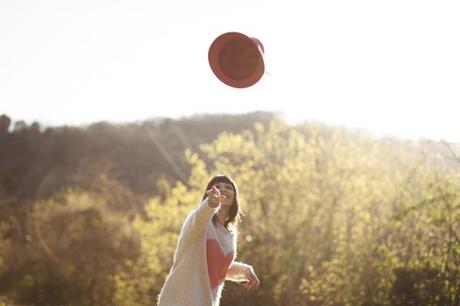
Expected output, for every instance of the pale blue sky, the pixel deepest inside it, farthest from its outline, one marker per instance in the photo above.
(389, 67)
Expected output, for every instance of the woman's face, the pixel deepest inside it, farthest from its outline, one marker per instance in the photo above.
(228, 191)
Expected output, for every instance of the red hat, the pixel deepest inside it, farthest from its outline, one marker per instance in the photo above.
(236, 59)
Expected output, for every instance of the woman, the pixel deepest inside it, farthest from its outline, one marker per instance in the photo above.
(206, 250)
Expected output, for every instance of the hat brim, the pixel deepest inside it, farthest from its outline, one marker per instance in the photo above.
(236, 60)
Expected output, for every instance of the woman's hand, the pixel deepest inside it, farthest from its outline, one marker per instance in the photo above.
(215, 198)
(253, 280)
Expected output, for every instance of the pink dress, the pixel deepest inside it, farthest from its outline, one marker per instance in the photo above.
(220, 253)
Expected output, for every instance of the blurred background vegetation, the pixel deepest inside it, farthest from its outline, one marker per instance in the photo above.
(90, 215)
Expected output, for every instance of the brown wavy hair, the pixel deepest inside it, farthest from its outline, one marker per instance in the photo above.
(234, 213)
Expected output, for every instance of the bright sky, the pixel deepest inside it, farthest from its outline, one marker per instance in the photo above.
(390, 67)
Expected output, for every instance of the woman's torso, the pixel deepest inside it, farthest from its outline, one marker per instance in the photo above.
(220, 252)
(200, 268)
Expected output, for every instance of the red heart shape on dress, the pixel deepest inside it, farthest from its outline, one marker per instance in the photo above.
(218, 263)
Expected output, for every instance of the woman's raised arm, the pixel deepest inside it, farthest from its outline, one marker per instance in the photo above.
(197, 220)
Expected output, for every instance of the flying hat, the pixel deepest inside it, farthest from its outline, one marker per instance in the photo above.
(236, 59)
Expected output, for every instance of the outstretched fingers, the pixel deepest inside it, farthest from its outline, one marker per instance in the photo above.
(215, 197)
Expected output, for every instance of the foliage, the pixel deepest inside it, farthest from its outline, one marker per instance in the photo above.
(72, 247)
(332, 217)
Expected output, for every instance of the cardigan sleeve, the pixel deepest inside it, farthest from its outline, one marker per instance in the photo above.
(238, 272)
(196, 221)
